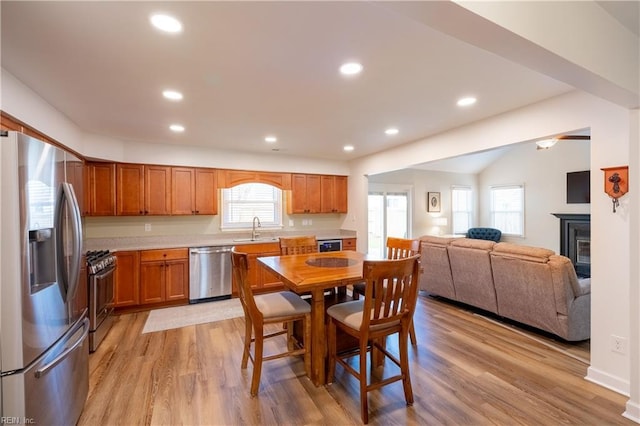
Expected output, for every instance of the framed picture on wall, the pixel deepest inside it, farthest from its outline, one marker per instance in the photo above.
(433, 202)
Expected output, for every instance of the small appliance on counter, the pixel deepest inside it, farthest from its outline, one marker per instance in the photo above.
(329, 245)
(101, 267)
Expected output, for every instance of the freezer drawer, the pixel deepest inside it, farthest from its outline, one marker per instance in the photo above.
(209, 273)
(52, 390)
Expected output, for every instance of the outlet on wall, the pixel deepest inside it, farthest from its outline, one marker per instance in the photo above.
(147, 227)
(618, 344)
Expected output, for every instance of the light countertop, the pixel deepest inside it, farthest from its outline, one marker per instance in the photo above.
(226, 239)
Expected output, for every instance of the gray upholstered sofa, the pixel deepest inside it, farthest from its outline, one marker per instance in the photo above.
(530, 285)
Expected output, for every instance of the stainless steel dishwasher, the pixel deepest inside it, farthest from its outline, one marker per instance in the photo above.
(209, 273)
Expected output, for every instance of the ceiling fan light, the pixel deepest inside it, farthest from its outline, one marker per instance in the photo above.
(546, 143)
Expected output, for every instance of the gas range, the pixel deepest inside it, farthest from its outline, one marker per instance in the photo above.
(101, 267)
(99, 260)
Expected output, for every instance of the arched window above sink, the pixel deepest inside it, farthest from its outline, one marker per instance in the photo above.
(241, 203)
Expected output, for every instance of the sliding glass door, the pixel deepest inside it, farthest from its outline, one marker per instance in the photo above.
(388, 217)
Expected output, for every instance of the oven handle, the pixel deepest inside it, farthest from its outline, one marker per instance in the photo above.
(105, 273)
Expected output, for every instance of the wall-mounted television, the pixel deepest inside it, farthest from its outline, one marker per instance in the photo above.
(578, 187)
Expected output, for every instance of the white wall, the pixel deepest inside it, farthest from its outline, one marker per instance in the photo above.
(610, 134)
(543, 173)
(421, 182)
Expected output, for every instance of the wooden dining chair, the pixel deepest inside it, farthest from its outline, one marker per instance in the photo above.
(372, 319)
(269, 308)
(301, 245)
(397, 248)
(298, 245)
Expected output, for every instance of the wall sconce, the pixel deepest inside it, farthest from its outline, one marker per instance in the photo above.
(616, 183)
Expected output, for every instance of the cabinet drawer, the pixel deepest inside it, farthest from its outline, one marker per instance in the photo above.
(348, 244)
(170, 254)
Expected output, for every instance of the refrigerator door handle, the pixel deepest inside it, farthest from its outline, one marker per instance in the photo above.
(67, 197)
(45, 369)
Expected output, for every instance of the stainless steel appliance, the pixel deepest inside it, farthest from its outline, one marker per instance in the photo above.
(329, 245)
(209, 273)
(43, 294)
(101, 267)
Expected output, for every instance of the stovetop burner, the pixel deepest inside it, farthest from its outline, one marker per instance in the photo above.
(98, 260)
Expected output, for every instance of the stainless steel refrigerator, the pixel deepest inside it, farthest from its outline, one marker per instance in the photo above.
(43, 293)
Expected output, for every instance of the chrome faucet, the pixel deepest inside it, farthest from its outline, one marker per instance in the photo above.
(255, 234)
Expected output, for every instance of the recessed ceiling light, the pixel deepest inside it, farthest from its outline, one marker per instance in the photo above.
(351, 68)
(172, 95)
(271, 139)
(391, 131)
(166, 23)
(470, 100)
(178, 128)
(348, 148)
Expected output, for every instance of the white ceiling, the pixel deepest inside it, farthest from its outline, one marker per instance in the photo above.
(252, 69)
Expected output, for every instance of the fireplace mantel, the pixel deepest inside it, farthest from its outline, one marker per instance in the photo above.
(575, 240)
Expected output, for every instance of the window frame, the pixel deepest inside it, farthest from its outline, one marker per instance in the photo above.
(469, 213)
(265, 222)
(520, 211)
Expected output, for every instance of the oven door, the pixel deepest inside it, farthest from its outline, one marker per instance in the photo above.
(101, 296)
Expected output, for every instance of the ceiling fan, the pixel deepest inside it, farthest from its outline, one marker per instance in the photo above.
(548, 143)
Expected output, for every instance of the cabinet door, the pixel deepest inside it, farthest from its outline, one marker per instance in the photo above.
(340, 200)
(176, 280)
(127, 278)
(349, 244)
(305, 194)
(206, 192)
(157, 190)
(100, 196)
(182, 191)
(130, 189)
(152, 282)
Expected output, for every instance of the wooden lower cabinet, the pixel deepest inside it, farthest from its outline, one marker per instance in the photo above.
(164, 276)
(261, 280)
(349, 244)
(127, 279)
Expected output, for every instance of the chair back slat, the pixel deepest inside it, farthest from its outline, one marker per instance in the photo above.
(399, 248)
(239, 267)
(298, 245)
(395, 284)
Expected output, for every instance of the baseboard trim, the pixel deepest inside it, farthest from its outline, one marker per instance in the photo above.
(632, 412)
(608, 381)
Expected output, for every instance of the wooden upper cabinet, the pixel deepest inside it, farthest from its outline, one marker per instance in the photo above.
(230, 178)
(100, 189)
(143, 189)
(333, 194)
(194, 191)
(305, 194)
(157, 190)
(130, 189)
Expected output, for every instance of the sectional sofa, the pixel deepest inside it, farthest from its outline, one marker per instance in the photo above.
(530, 285)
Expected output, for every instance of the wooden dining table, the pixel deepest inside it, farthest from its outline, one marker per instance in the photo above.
(314, 273)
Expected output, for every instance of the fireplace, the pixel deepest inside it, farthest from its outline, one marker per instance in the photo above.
(575, 241)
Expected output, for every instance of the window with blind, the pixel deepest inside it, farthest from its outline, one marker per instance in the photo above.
(461, 209)
(507, 209)
(241, 203)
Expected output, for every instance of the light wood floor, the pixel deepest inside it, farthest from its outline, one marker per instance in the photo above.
(466, 370)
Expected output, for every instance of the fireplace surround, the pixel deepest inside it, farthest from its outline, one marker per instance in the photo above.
(575, 241)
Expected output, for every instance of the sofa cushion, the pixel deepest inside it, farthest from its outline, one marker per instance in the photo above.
(475, 244)
(532, 254)
(433, 239)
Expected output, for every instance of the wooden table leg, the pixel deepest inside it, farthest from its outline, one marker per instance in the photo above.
(318, 338)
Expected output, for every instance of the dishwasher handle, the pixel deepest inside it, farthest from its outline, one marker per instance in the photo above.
(209, 250)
